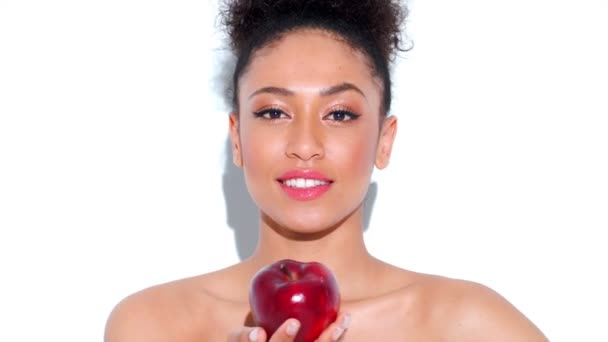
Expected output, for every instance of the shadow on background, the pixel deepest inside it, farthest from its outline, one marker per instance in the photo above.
(242, 214)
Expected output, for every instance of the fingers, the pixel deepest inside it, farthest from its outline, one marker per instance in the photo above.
(247, 334)
(287, 331)
(336, 330)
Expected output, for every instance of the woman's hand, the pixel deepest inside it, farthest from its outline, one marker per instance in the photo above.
(288, 331)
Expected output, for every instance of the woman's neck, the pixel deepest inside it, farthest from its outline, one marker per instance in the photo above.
(341, 248)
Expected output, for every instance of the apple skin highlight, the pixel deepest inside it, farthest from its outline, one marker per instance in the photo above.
(287, 289)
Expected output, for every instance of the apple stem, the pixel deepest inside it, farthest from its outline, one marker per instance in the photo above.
(287, 272)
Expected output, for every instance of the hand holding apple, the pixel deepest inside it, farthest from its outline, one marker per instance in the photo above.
(257, 334)
(291, 289)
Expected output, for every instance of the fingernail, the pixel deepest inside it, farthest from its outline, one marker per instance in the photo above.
(253, 335)
(346, 321)
(337, 333)
(292, 328)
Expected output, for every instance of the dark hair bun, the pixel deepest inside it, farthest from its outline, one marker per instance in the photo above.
(380, 19)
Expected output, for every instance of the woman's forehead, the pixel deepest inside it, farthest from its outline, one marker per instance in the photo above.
(308, 60)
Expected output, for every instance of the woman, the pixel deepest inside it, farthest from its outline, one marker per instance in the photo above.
(311, 97)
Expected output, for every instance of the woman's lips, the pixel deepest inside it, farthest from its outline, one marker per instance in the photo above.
(305, 194)
(306, 174)
(304, 185)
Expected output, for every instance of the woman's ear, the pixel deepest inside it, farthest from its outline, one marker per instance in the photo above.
(385, 142)
(235, 140)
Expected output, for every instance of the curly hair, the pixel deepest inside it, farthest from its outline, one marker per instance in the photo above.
(372, 27)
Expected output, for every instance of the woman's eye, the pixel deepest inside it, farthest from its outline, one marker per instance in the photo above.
(270, 114)
(342, 115)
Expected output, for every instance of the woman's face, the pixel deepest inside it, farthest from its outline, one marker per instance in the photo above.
(309, 131)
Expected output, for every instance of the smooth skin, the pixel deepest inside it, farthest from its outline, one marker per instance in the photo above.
(295, 101)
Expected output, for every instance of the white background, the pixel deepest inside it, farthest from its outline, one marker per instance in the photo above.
(113, 173)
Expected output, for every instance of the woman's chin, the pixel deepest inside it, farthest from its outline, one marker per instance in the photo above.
(303, 228)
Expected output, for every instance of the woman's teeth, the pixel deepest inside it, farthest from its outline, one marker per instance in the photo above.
(303, 183)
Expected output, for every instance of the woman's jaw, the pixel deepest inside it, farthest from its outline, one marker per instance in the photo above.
(309, 212)
(322, 244)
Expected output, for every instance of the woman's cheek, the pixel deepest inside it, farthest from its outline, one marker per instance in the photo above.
(357, 156)
(257, 146)
(260, 153)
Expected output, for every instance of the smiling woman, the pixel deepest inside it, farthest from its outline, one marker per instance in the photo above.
(310, 122)
(322, 124)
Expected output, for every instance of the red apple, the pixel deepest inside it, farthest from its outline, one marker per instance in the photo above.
(291, 289)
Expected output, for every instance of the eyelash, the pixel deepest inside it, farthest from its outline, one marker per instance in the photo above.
(268, 111)
(347, 113)
(260, 114)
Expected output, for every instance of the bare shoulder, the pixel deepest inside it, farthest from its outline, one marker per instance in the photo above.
(178, 310)
(471, 311)
(153, 314)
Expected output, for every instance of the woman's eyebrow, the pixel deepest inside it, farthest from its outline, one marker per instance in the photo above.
(342, 87)
(272, 90)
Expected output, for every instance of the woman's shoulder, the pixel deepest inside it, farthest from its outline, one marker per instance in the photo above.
(467, 310)
(177, 310)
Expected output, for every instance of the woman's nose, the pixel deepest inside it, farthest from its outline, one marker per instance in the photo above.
(305, 140)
